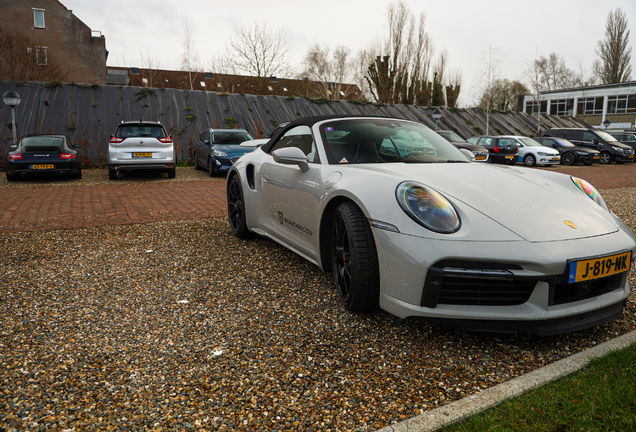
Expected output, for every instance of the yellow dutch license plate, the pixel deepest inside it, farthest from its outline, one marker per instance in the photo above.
(599, 267)
(42, 166)
(555, 158)
(142, 155)
(631, 156)
(480, 157)
(510, 157)
(597, 157)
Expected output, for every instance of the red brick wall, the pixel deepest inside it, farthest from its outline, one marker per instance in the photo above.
(66, 37)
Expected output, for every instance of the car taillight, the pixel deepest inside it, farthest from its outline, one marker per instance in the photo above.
(496, 149)
(67, 156)
(15, 156)
(116, 140)
(165, 140)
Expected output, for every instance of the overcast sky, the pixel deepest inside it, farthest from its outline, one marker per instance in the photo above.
(518, 31)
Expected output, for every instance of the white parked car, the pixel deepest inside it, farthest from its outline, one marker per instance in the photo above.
(141, 145)
(408, 224)
(532, 153)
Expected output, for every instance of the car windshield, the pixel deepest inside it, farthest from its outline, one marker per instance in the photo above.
(530, 142)
(381, 141)
(605, 136)
(230, 137)
(140, 130)
(42, 141)
(452, 137)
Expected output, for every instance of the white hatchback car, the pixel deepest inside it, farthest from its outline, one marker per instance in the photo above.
(140, 145)
(532, 153)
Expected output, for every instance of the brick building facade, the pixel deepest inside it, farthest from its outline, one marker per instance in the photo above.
(60, 34)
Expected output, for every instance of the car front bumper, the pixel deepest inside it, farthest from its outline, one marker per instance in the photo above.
(407, 266)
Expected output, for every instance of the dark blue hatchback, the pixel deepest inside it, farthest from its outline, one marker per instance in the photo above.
(217, 149)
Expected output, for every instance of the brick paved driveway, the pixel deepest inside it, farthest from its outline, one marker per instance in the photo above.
(39, 206)
(115, 203)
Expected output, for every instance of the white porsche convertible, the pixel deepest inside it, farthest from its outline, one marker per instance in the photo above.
(408, 224)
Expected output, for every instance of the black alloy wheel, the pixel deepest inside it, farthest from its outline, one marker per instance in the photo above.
(530, 160)
(354, 260)
(568, 159)
(236, 209)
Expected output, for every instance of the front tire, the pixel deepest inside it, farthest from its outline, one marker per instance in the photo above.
(210, 168)
(568, 159)
(530, 160)
(606, 158)
(354, 260)
(236, 209)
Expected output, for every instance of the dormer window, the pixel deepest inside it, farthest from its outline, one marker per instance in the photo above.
(38, 18)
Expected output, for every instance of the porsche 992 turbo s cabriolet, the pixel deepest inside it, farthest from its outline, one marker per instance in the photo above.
(406, 223)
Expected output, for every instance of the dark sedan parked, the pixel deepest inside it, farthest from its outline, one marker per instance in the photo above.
(481, 153)
(611, 150)
(571, 154)
(217, 149)
(502, 150)
(43, 154)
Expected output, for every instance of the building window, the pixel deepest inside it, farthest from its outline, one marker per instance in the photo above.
(40, 55)
(621, 104)
(38, 18)
(270, 88)
(144, 80)
(590, 106)
(134, 71)
(562, 107)
(531, 107)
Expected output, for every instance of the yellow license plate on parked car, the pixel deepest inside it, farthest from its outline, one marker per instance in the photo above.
(555, 158)
(596, 157)
(480, 157)
(599, 267)
(144, 155)
(510, 157)
(43, 166)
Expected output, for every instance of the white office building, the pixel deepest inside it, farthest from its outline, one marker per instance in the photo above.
(592, 104)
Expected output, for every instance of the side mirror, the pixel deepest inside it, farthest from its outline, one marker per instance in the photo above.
(206, 142)
(77, 146)
(470, 155)
(595, 142)
(291, 156)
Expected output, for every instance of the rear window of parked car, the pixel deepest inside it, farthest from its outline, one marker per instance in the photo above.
(134, 131)
(230, 137)
(43, 141)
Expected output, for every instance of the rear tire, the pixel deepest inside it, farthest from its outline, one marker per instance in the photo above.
(172, 172)
(354, 260)
(236, 209)
(11, 177)
(78, 175)
(196, 162)
(112, 173)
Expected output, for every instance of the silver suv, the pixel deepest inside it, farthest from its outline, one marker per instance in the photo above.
(138, 145)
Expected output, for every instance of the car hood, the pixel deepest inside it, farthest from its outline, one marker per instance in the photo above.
(233, 149)
(534, 204)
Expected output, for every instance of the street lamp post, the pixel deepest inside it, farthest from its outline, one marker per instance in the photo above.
(606, 123)
(12, 99)
(437, 114)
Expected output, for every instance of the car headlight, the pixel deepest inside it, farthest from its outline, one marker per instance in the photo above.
(618, 149)
(427, 207)
(581, 153)
(545, 154)
(590, 191)
(220, 153)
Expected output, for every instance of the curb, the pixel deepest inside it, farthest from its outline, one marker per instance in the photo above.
(478, 402)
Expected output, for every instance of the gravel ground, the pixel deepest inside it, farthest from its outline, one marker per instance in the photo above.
(174, 326)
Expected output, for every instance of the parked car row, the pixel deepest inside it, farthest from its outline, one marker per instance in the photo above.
(146, 145)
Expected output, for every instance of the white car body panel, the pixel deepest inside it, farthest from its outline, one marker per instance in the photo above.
(514, 215)
(550, 156)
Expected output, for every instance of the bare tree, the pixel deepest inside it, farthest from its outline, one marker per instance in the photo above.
(453, 87)
(437, 98)
(22, 60)
(329, 70)
(149, 66)
(256, 52)
(489, 69)
(614, 52)
(400, 71)
(190, 56)
(503, 94)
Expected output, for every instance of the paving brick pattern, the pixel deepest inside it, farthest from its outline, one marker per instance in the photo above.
(49, 208)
